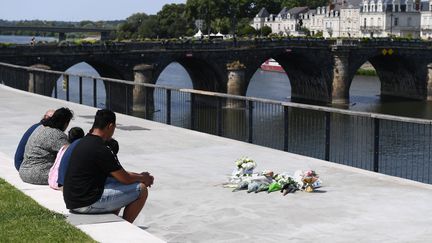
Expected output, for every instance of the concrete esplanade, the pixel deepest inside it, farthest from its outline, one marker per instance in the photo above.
(319, 70)
(188, 203)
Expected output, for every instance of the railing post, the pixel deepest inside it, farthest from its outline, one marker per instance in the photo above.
(219, 116)
(168, 103)
(108, 95)
(80, 90)
(286, 128)
(250, 123)
(376, 144)
(147, 103)
(126, 99)
(127, 107)
(67, 87)
(327, 136)
(55, 89)
(94, 93)
(33, 79)
(192, 95)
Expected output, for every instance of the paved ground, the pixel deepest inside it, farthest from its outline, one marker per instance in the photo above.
(188, 203)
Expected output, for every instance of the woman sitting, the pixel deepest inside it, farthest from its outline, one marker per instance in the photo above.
(42, 147)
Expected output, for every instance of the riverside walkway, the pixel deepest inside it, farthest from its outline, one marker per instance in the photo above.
(188, 204)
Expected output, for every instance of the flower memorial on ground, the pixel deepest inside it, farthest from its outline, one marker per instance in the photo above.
(245, 166)
(243, 178)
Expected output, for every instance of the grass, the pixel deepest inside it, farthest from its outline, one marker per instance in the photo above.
(366, 72)
(23, 220)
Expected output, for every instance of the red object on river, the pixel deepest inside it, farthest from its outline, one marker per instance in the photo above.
(272, 66)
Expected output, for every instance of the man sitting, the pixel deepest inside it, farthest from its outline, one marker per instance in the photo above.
(88, 187)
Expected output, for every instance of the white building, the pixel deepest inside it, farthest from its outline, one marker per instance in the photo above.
(383, 18)
(426, 20)
(355, 18)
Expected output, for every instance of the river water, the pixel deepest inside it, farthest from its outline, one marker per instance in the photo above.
(405, 150)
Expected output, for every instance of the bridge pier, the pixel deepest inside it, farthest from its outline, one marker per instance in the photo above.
(341, 77)
(39, 82)
(62, 36)
(143, 100)
(236, 85)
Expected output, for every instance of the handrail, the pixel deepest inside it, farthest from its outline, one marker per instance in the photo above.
(244, 98)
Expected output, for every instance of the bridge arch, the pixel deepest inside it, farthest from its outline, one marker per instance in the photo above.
(309, 75)
(270, 82)
(109, 95)
(399, 75)
(203, 74)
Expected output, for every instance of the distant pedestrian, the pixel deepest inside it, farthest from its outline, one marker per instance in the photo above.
(42, 147)
(33, 41)
(19, 154)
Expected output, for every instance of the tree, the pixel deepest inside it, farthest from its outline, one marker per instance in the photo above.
(265, 31)
(129, 29)
(247, 30)
(221, 25)
(172, 20)
(304, 3)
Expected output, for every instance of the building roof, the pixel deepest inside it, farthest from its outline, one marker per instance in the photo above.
(263, 13)
(297, 10)
(284, 11)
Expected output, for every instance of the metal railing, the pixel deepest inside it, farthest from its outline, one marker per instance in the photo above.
(386, 144)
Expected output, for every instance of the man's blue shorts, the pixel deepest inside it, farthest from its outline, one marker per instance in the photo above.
(115, 196)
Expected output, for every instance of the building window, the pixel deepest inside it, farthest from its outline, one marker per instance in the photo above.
(364, 22)
(396, 20)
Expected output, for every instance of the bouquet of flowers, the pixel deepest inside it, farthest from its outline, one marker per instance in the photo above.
(245, 166)
(307, 180)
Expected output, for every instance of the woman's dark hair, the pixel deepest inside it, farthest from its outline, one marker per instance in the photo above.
(75, 133)
(59, 119)
(113, 145)
(103, 118)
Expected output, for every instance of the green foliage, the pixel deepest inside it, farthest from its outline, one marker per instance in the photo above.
(172, 21)
(265, 31)
(304, 3)
(318, 34)
(366, 72)
(306, 31)
(247, 30)
(23, 220)
(221, 25)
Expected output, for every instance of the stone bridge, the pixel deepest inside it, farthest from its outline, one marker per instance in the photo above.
(104, 33)
(319, 70)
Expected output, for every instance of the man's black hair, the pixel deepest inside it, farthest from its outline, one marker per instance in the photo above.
(75, 133)
(59, 119)
(103, 118)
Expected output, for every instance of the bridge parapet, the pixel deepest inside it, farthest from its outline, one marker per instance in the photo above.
(318, 69)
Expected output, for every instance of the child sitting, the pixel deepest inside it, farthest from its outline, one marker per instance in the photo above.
(75, 133)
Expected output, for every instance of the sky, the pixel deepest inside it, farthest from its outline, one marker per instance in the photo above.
(77, 10)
